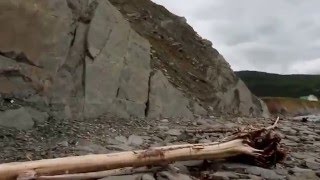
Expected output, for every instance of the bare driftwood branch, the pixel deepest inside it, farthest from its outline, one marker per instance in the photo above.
(259, 147)
(226, 130)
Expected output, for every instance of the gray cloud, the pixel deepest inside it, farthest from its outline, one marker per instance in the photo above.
(281, 36)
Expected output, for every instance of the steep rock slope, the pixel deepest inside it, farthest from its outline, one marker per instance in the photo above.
(81, 59)
(189, 62)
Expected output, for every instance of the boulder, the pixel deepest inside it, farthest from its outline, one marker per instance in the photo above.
(16, 118)
(37, 116)
(135, 140)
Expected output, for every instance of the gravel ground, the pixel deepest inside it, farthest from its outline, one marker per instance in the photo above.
(109, 134)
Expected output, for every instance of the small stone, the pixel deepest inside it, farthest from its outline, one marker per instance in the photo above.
(166, 175)
(237, 167)
(163, 128)
(146, 137)
(264, 173)
(239, 120)
(253, 177)
(204, 141)
(312, 164)
(156, 139)
(181, 168)
(147, 177)
(64, 144)
(211, 109)
(113, 141)
(293, 138)
(288, 130)
(164, 121)
(120, 147)
(174, 132)
(224, 175)
(281, 171)
(296, 170)
(190, 163)
(306, 175)
(289, 143)
(87, 147)
(300, 155)
(135, 140)
(121, 139)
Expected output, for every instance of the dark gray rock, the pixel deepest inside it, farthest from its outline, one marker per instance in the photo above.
(254, 170)
(87, 147)
(124, 177)
(174, 132)
(299, 173)
(224, 175)
(301, 155)
(264, 173)
(289, 143)
(288, 130)
(166, 175)
(16, 118)
(121, 139)
(38, 116)
(293, 138)
(161, 103)
(119, 147)
(147, 177)
(163, 128)
(312, 164)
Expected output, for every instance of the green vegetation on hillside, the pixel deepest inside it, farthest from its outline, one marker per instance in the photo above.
(275, 85)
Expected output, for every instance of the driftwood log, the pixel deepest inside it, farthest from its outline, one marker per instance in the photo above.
(260, 147)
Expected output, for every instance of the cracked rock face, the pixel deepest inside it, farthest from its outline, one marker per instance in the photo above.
(40, 30)
(189, 62)
(82, 59)
(117, 71)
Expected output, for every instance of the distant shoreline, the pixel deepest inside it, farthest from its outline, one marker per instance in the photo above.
(291, 106)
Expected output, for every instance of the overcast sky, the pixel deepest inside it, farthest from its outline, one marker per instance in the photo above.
(279, 36)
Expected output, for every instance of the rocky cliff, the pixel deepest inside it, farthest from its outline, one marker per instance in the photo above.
(189, 61)
(83, 59)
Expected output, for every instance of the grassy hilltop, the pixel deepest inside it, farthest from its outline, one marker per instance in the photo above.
(275, 85)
